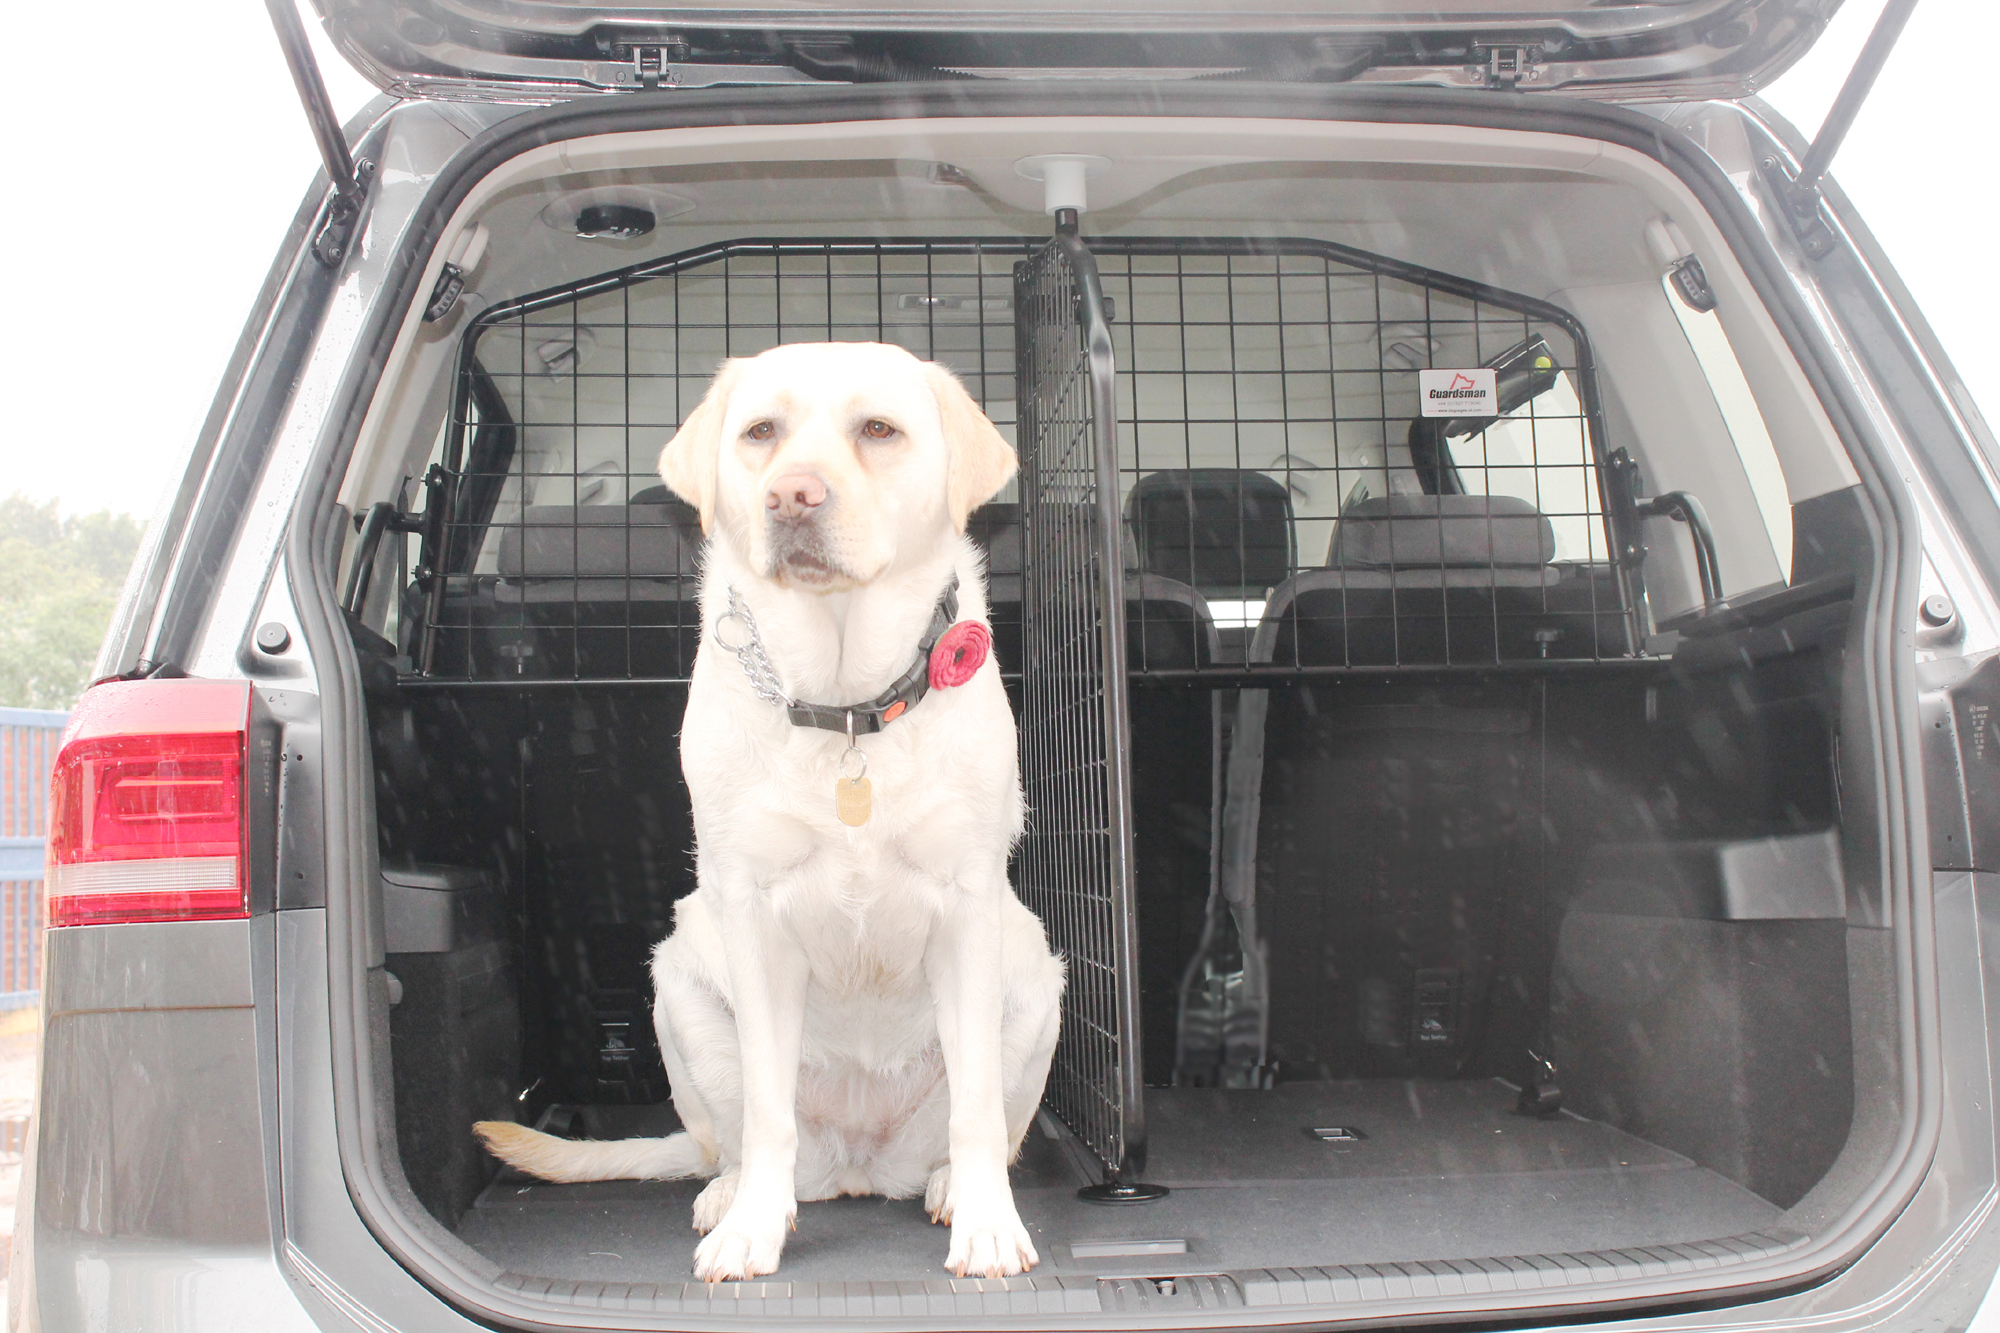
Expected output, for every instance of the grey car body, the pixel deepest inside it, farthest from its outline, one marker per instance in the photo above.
(206, 1151)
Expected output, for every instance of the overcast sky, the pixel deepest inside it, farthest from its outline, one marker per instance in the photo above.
(147, 209)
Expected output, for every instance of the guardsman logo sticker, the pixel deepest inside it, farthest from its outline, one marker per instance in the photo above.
(1459, 393)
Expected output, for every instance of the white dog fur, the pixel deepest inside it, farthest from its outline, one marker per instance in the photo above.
(841, 1010)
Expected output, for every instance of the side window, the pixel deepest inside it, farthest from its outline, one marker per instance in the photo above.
(1740, 414)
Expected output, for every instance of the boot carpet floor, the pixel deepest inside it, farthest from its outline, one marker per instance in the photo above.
(1444, 1171)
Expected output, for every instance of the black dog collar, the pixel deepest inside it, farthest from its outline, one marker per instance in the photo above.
(899, 698)
(849, 720)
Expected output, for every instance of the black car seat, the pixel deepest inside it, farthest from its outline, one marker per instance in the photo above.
(1167, 622)
(1224, 531)
(1442, 579)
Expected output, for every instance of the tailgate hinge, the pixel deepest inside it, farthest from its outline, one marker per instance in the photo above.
(1799, 202)
(329, 245)
(1508, 67)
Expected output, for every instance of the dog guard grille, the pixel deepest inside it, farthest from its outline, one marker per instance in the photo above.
(1075, 863)
(566, 560)
(1270, 504)
(1289, 510)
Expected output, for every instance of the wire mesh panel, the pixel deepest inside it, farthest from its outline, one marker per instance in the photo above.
(565, 559)
(1288, 505)
(1075, 863)
(1279, 454)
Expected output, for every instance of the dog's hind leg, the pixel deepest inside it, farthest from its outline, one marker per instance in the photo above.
(699, 1048)
(1028, 1036)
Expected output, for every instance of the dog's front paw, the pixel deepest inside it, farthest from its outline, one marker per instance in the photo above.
(742, 1246)
(989, 1243)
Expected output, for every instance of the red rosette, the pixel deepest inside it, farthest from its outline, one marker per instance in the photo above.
(960, 652)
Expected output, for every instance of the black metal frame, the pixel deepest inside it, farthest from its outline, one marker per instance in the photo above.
(1075, 866)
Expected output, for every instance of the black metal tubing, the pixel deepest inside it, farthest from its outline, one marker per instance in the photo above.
(348, 176)
(1682, 505)
(1860, 80)
(492, 452)
(1798, 193)
(382, 516)
(1259, 676)
(320, 115)
(350, 843)
(1117, 703)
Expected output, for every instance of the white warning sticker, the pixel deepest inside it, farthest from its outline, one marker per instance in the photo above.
(1459, 393)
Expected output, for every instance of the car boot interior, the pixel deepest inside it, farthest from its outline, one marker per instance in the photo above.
(1506, 874)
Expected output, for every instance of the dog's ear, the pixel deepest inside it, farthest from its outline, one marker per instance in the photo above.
(981, 459)
(688, 462)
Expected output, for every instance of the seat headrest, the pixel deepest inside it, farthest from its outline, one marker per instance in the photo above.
(1449, 531)
(1217, 528)
(641, 541)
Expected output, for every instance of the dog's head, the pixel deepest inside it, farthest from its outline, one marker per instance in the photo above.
(824, 464)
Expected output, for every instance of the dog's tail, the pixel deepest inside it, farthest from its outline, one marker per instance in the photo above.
(567, 1161)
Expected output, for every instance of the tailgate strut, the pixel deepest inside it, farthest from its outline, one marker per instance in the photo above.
(1800, 194)
(349, 177)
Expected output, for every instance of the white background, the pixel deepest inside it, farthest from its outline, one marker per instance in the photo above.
(155, 170)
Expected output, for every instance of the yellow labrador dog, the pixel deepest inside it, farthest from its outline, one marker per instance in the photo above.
(852, 1001)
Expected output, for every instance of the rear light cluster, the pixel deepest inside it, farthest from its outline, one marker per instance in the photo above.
(147, 809)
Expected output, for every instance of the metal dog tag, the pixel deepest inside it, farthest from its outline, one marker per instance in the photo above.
(853, 800)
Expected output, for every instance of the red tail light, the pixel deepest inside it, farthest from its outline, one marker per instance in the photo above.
(146, 811)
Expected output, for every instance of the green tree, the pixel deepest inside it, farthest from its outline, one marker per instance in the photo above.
(59, 582)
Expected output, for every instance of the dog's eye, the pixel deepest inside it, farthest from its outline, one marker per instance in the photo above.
(878, 429)
(763, 430)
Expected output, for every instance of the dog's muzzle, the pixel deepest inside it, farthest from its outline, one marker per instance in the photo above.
(798, 551)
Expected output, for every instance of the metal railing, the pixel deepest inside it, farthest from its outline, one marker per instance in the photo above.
(28, 743)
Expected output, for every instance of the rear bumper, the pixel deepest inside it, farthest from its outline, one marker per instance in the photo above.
(150, 1194)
